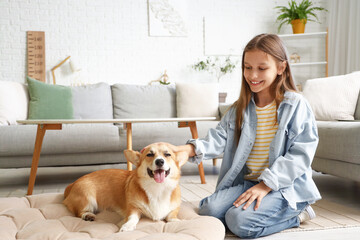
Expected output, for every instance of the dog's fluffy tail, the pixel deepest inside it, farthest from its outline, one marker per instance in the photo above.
(67, 190)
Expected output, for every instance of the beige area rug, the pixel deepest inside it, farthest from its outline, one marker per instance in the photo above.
(329, 215)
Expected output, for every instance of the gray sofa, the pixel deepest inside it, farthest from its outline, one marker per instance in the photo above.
(336, 106)
(86, 144)
(338, 152)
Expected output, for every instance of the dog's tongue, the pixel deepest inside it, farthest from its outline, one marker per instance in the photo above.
(159, 175)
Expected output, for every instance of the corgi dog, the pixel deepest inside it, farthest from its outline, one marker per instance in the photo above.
(152, 189)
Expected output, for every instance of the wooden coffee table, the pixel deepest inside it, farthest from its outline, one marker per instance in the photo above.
(56, 124)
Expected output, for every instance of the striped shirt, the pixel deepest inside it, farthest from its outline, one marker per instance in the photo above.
(258, 159)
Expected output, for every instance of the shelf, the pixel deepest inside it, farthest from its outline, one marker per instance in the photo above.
(302, 40)
(307, 64)
(302, 35)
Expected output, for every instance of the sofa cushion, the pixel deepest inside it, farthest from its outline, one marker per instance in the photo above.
(92, 101)
(64, 159)
(333, 98)
(143, 101)
(14, 99)
(45, 217)
(339, 141)
(49, 101)
(338, 168)
(73, 138)
(197, 100)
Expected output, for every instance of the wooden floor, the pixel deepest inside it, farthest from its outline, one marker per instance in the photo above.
(341, 192)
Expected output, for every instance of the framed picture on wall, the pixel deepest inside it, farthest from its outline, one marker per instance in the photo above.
(167, 18)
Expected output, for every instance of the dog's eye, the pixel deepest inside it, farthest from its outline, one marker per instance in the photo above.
(167, 155)
(150, 155)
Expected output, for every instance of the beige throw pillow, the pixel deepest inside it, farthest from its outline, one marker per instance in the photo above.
(333, 98)
(197, 100)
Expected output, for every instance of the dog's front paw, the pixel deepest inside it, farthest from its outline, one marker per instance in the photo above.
(88, 216)
(130, 222)
(127, 227)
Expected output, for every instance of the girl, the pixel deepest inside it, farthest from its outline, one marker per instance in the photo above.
(268, 138)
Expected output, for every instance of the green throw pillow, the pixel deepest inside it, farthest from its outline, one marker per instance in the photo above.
(49, 101)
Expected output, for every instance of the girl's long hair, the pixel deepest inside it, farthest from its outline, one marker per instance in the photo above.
(270, 44)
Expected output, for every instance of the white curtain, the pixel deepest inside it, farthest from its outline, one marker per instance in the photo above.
(344, 37)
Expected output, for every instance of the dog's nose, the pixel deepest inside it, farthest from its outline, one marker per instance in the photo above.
(159, 162)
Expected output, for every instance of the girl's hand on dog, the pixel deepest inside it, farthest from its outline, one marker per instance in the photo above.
(257, 192)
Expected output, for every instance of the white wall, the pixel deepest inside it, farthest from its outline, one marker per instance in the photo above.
(110, 39)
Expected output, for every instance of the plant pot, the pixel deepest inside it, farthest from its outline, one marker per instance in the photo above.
(298, 25)
(222, 97)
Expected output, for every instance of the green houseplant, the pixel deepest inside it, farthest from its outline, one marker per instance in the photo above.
(215, 67)
(298, 14)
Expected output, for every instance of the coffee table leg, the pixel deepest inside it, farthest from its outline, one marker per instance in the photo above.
(214, 162)
(129, 142)
(41, 129)
(194, 134)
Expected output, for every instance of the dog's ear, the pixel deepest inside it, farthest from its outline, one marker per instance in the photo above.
(182, 157)
(132, 156)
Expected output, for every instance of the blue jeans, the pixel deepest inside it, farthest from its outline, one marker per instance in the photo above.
(273, 215)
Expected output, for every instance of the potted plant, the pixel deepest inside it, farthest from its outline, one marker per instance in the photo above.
(297, 14)
(217, 68)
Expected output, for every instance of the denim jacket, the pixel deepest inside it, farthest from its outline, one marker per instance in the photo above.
(290, 155)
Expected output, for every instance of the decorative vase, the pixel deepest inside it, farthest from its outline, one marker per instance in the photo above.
(298, 25)
(222, 97)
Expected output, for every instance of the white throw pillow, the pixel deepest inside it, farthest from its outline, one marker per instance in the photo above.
(197, 100)
(333, 98)
(14, 100)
